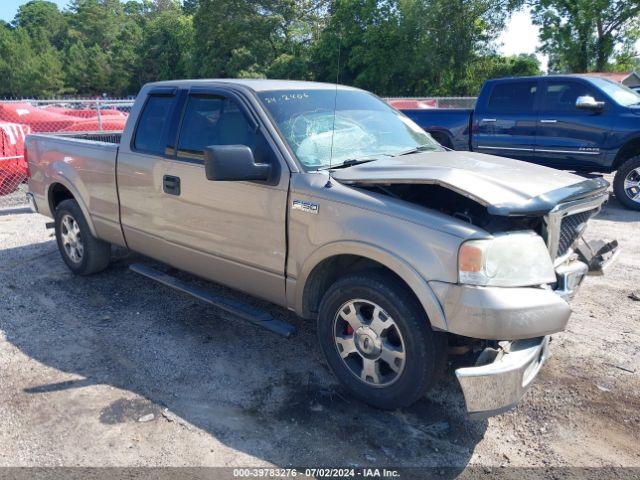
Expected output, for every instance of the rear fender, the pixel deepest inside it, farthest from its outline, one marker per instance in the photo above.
(65, 175)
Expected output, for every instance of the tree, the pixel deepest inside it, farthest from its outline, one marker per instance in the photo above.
(26, 71)
(166, 47)
(190, 6)
(392, 47)
(498, 66)
(240, 38)
(110, 34)
(76, 68)
(361, 37)
(410, 47)
(97, 22)
(585, 35)
(521, 65)
(233, 37)
(45, 24)
(453, 36)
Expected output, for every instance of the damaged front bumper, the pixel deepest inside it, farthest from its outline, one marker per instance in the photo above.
(497, 386)
(590, 258)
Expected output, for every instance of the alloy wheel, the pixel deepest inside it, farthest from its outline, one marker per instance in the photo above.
(369, 343)
(632, 185)
(71, 238)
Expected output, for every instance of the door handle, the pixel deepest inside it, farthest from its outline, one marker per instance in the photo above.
(548, 120)
(171, 185)
(489, 120)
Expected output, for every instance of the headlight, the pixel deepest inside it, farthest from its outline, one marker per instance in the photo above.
(518, 259)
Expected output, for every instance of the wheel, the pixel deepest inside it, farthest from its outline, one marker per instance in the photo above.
(626, 184)
(83, 253)
(378, 341)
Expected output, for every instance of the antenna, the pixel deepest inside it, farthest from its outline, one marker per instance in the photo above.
(335, 107)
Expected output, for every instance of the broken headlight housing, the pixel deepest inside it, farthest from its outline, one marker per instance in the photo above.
(517, 259)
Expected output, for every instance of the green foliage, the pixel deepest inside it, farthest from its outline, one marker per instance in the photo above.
(391, 47)
(26, 70)
(587, 35)
(522, 65)
(165, 51)
(44, 23)
(410, 47)
(190, 6)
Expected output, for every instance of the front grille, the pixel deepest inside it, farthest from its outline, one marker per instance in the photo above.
(571, 228)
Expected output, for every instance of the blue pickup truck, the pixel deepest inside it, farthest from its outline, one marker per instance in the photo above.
(570, 122)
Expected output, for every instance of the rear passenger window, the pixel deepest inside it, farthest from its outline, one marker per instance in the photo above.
(514, 97)
(154, 120)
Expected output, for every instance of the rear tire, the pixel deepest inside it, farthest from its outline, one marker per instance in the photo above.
(386, 354)
(83, 253)
(626, 183)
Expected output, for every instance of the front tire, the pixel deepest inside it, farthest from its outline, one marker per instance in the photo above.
(626, 183)
(377, 340)
(83, 253)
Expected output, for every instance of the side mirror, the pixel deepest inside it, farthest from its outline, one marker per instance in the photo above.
(233, 163)
(587, 102)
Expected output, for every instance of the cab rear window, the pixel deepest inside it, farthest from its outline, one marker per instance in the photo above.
(513, 97)
(153, 123)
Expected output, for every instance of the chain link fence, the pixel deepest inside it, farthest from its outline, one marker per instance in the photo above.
(19, 118)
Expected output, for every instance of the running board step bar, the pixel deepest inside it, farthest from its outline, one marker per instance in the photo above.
(246, 312)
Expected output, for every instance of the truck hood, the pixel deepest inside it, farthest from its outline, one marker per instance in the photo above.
(503, 185)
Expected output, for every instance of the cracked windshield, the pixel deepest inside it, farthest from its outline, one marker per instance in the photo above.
(364, 127)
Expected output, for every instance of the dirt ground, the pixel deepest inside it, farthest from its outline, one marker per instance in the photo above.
(115, 370)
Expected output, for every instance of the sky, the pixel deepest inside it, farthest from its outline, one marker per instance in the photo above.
(521, 36)
(8, 8)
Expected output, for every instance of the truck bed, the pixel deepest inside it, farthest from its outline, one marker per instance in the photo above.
(83, 165)
(449, 126)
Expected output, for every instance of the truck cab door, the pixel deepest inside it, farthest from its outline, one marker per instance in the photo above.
(505, 121)
(231, 232)
(568, 137)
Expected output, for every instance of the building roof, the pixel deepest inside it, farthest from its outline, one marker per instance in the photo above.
(619, 77)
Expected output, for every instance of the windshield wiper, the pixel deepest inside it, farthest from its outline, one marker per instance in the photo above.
(349, 163)
(418, 149)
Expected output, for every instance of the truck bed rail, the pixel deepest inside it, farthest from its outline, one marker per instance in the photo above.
(107, 137)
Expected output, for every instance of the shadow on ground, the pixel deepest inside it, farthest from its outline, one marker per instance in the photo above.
(256, 392)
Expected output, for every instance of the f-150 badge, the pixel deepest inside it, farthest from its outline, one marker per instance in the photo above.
(305, 206)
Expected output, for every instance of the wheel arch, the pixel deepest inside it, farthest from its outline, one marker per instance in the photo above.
(443, 137)
(629, 150)
(336, 260)
(60, 190)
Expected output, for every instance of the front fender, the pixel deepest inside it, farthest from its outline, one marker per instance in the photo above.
(399, 266)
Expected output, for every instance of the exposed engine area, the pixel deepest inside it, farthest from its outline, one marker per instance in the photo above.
(456, 205)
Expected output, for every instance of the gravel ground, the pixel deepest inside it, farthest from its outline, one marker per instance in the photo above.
(115, 370)
(15, 199)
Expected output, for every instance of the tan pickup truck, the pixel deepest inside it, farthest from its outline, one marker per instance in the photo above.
(328, 202)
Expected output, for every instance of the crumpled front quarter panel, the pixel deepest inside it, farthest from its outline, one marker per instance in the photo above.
(414, 242)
